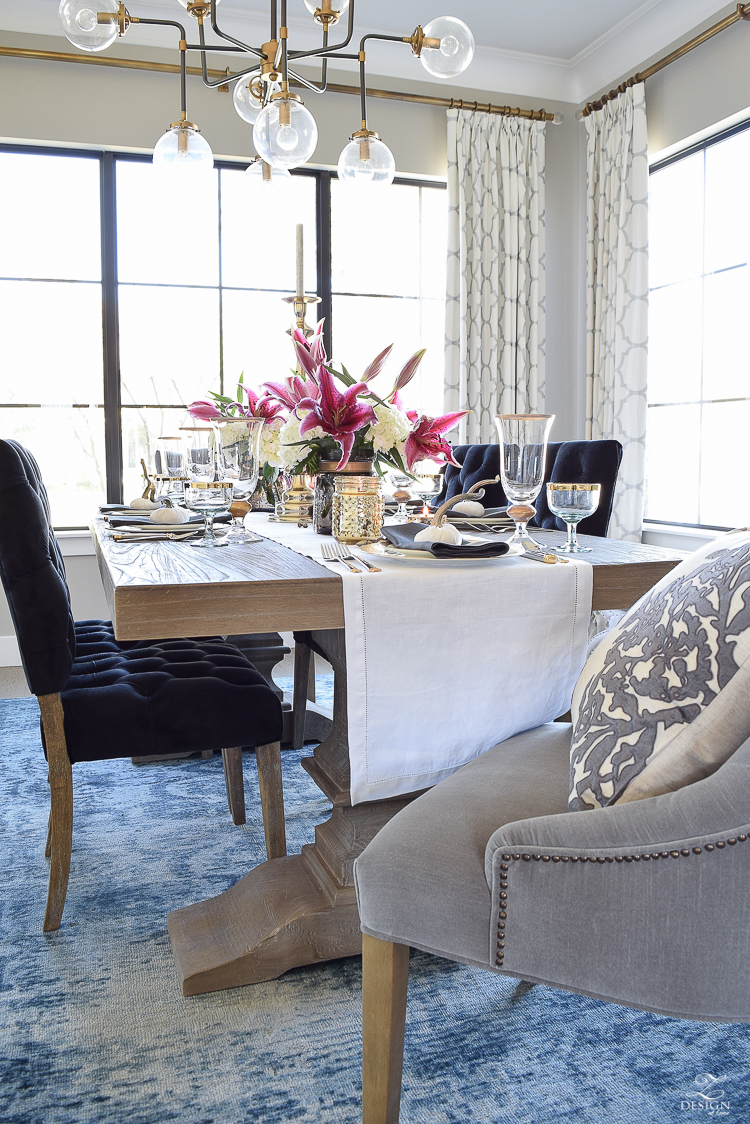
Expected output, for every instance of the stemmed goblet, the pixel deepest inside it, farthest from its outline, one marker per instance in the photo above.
(523, 452)
(210, 498)
(206, 492)
(573, 502)
(428, 480)
(402, 481)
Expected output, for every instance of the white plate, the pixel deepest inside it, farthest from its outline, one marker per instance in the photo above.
(398, 554)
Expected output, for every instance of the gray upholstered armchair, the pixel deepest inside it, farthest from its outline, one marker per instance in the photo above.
(644, 901)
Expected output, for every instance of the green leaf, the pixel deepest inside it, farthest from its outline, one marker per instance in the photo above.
(343, 376)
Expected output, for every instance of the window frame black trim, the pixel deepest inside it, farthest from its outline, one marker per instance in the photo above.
(112, 389)
(657, 166)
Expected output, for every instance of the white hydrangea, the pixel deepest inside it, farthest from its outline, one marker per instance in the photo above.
(232, 432)
(290, 454)
(391, 429)
(270, 452)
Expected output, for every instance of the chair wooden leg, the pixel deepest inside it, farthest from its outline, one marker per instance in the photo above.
(48, 845)
(235, 783)
(272, 798)
(61, 809)
(303, 661)
(385, 977)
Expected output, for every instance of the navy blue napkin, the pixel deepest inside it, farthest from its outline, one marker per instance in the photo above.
(402, 536)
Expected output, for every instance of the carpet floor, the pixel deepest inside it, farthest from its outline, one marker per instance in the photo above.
(94, 1030)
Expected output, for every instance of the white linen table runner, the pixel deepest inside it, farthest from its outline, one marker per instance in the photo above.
(445, 659)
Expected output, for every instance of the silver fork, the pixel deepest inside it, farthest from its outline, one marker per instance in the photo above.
(330, 554)
(341, 552)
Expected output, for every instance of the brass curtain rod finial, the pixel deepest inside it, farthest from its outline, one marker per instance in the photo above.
(742, 12)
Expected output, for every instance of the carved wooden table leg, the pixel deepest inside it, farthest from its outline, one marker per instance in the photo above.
(300, 909)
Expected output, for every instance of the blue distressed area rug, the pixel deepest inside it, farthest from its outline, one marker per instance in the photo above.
(94, 1030)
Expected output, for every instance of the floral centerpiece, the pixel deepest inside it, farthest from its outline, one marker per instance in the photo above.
(309, 420)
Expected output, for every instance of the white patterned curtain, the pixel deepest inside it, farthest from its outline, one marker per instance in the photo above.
(617, 294)
(495, 312)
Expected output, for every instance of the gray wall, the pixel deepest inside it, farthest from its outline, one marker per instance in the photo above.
(704, 87)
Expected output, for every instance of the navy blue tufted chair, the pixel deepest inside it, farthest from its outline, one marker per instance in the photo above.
(568, 462)
(102, 699)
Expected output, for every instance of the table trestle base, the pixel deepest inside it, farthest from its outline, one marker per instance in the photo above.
(297, 910)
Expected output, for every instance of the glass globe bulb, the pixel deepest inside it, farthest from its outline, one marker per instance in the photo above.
(78, 19)
(338, 6)
(278, 179)
(285, 143)
(456, 47)
(182, 149)
(245, 101)
(366, 160)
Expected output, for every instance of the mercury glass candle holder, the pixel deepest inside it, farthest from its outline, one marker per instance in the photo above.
(358, 509)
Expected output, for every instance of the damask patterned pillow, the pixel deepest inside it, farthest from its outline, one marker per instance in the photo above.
(664, 700)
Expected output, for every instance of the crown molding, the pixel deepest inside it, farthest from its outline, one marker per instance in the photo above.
(623, 49)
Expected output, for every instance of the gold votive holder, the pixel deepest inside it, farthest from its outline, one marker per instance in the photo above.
(296, 504)
(358, 509)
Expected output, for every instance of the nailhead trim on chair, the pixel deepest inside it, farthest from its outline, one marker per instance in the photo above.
(507, 858)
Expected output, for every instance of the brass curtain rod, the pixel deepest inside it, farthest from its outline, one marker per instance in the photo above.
(742, 12)
(172, 68)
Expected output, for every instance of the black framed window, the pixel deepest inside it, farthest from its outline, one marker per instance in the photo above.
(699, 370)
(132, 298)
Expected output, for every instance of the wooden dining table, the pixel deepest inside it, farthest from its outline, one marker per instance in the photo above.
(299, 909)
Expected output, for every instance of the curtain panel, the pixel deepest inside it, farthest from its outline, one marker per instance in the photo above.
(617, 294)
(495, 306)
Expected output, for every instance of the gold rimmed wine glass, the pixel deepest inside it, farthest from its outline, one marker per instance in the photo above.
(523, 452)
(573, 502)
(209, 498)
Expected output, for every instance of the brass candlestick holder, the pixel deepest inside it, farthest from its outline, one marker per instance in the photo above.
(300, 303)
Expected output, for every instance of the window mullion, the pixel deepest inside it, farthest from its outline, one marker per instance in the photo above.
(110, 330)
(323, 220)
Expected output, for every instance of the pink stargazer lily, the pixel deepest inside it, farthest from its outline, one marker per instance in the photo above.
(339, 415)
(264, 406)
(425, 441)
(377, 364)
(292, 390)
(406, 374)
(311, 353)
(205, 411)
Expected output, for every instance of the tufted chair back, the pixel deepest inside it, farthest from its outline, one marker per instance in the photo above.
(33, 573)
(569, 462)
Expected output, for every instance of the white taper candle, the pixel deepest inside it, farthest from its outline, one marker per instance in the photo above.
(300, 279)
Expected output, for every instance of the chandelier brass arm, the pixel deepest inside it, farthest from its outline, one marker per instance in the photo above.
(284, 131)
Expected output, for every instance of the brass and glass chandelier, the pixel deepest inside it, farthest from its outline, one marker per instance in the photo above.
(284, 130)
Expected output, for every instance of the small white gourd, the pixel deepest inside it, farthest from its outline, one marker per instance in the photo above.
(142, 504)
(470, 508)
(170, 515)
(438, 531)
(446, 533)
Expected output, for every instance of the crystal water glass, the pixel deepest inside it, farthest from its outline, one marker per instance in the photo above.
(199, 443)
(523, 454)
(402, 482)
(209, 498)
(169, 462)
(573, 502)
(428, 482)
